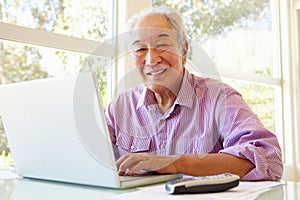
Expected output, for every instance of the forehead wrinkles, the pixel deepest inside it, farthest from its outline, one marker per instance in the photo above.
(149, 35)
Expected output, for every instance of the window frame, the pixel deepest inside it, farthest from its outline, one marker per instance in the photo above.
(290, 30)
(43, 38)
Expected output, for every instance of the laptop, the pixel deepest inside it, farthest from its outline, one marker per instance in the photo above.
(56, 130)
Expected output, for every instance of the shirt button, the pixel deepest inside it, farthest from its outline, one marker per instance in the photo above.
(131, 147)
(194, 151)
(162, 146)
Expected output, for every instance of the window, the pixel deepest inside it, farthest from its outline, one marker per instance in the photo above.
(252, 44)
(90, 19)
(45, 38)
(240, 40)
(290, 56)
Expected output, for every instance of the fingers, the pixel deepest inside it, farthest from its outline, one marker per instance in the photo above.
(137, 169)
(121, 160)
(132, 164)
(121, 165)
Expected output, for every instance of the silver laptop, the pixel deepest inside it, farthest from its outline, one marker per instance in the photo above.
(57, 131)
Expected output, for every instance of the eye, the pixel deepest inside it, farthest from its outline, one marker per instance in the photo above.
(139, 51)
(163, 46)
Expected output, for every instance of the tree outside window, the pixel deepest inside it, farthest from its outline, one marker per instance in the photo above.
(87, 19)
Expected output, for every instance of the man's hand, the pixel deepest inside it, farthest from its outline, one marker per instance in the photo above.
(132, 164)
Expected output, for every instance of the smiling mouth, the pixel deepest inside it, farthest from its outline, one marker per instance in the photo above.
(156, 72)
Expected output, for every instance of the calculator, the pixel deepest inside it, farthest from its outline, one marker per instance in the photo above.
(202, 184)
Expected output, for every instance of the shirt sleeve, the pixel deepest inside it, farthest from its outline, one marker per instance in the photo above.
(246, 137)
(109, 115)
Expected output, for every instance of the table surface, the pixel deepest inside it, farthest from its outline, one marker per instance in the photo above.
(22, 189)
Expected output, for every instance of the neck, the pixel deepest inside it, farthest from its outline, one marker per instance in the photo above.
(165, 97)
(165, 100)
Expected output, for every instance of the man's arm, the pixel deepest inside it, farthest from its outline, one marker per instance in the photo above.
(211, 164)
(196, 165)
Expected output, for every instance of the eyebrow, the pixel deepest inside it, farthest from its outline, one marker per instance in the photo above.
(159, 36)
(163, 35)
(137, 41)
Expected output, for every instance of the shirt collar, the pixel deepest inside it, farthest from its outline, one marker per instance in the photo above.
(186, 94)
(146, 98)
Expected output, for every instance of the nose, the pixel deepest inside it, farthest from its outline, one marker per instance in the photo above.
(152, 57)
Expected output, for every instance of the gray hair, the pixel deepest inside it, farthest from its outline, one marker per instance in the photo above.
(173, 16)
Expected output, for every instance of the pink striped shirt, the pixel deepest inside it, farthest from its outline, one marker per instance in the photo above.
(207, 117)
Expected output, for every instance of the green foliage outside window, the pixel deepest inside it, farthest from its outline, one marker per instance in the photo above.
(212, 19)
(207, 18)
(84, 19)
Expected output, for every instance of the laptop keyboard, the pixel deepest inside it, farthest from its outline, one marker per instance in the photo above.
(144, 174)
(129, 178)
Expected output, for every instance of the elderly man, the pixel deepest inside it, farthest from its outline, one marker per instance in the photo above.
(176, 122)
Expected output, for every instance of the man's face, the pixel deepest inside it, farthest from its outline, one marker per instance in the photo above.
(156, 54)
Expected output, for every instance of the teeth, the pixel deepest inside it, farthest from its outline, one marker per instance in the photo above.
(157, 72)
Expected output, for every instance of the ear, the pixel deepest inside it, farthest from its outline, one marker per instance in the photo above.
(184, 52)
